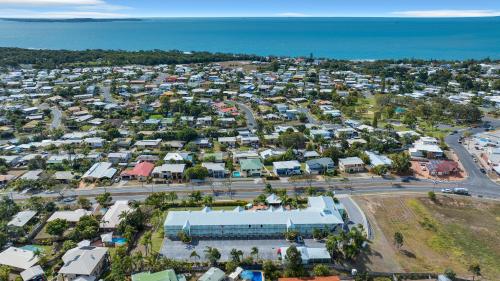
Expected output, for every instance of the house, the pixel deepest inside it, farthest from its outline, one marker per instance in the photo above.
(5, 179)
(241, 155)
(140, 172)
(251, 167)
(178, 157)
(426, 147)
(273, 200)
(228, 141)
(169, 172)
(119, 157)
(378, 160)
(213, 274)
(32, 175)
(64, 176)
(148, 143)
(22, 218)
(98, 171)
(351, 165)
(18, 259)
(70, 216)
(165, 275)
(319, 166)
(442, 167)
(34, 273)
(113, 215)
(215, 170)
(86, 262)
(287, 168)
(309, 255)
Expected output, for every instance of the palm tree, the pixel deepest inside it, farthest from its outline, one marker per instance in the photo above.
(236, 255)
(147, 241)
(212, 255)
(208, 200)
(255, 252)
(137, 261)
(194, 255)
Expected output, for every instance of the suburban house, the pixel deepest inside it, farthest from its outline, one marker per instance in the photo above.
(18, 259)
(140, 172)
(378, 159)
(34, 273)
(22, 218)
(99, 171)
(70, 216)
(215, 170)
(426, 147)
(286, 168)
(251, 167)
(169, 172)
(165, 275)
(213, 274)
(86, 263)
(442, 167)
(308, 255)
(351, 165)
(319, 166)
(227, 141)
(321, 213)
(119, 157)
(113, 215)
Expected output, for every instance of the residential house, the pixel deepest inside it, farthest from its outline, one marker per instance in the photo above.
(169, 172)
(22, 218)
(426, 147)
(213, 274)
(140, 172)
(378, 159)
(86, 263)
(251, 167)
(99, 171)
(287, 168)
(70, 216)
(309, 255)
(18, 259)
(113, 215)
(215, 170)
(165, 275)
(351, 165)
(320, 166)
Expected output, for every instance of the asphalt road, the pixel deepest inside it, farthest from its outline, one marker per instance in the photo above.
(56, 117)
(106, 94)
(251, 123)
(310, 118)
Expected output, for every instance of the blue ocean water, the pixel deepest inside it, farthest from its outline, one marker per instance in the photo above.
(343, 38)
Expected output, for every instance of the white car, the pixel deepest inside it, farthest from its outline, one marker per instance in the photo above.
(446, 190)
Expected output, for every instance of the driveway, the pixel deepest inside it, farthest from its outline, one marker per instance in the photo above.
(251, 124)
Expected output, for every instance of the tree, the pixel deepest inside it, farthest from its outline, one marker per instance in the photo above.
(84, 203)
(294, 140)
(380, 170)
(4, 273)
(236, 255)
(68, 245)
(255, 252)
(398, 239)
(194, 254)
(57, 227)
(86, 228)
(432, 196)
(450, 273)
(212, 255)
(475, 269)
(321, 270)
(208, 200)
(293, 262)
(197, 172)
(271, 270)
(147, 242)
(104, 198)
(401, 162)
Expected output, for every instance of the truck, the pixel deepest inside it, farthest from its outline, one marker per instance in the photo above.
(461, 191)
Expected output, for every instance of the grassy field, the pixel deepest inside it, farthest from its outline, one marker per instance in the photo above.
(452, 233)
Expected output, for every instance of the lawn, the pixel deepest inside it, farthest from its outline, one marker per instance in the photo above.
(452, 233)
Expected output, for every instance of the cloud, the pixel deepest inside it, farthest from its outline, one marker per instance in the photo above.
(447, 13)
(291, 14)
(13, 13)
(40, 3)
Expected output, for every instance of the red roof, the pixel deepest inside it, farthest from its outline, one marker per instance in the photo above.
(142, 169)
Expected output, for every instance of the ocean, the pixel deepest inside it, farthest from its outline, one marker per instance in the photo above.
(341, 38)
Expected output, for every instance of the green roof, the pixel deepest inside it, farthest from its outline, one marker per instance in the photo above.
(166, 275)
(250, 164)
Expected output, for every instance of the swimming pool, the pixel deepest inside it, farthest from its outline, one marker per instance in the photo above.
(236, 174)
(119, 241)
(252, 275)
(32, 248)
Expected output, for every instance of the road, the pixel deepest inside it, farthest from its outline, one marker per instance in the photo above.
(310, 118)
(56, 115)
(476, 181)
(251, 123)
(106, 94)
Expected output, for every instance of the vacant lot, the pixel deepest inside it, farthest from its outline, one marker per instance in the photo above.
(451, 233)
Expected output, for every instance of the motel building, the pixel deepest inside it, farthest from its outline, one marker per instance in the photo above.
(321, 213)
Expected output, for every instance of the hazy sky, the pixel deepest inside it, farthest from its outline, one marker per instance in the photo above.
(248, 8)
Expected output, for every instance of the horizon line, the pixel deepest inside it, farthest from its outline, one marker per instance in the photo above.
(214, 17)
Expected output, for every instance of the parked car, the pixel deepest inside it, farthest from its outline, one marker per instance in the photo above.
(482, 170)
(300, 240)
(461, 191)
(446, 190)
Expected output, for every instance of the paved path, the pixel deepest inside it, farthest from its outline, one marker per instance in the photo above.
(356, 215)
(106, 94)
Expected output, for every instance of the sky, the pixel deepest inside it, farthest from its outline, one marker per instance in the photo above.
(247, 8)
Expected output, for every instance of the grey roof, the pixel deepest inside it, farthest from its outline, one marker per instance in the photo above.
(213, 274)
(323, 162)
(100, 170)
(83, 260)
(351, 161)
(32, 175)
(22, 218)
(320, 210)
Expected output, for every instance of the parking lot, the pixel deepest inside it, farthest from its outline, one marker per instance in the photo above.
(267, 248)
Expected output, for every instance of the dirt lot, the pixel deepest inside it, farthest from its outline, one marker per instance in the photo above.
(452, 233)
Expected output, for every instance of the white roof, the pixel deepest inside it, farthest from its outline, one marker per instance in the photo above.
(22, 218)
(100, 170)
(351, 161)
(321, 210)
(307, 253)
(286, 164)
(32, 272)
(18, 258)
(173, 168)
(112, 217)
(70, 216)
(83, 260)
